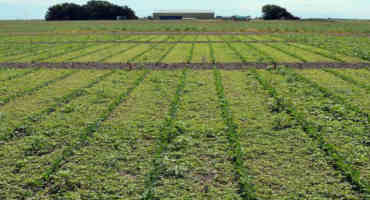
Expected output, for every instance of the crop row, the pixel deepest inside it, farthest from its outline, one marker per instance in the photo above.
(51, 140)
(177, 53)
(113, 37)
(327, 120)
(195, 134)
(339, 46)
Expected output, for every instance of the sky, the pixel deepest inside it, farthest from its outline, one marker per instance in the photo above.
(358, 9)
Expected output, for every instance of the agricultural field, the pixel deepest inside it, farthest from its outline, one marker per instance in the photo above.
(89, 110)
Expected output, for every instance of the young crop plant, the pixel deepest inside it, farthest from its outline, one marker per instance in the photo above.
(211, 51)
(191, 53)
(246, 190)
(165, 138)
(59, 102)
(315, 131)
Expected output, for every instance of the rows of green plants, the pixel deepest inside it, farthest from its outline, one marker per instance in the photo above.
(308, 26)
(29, 164)
(339, 131)
(347, 92)
(190, 134)
(304, 51)
(359, 77)
(197, 164)
(38, 106)
(118, 160)
(29, 84)
(343, 47)
(283, 162)
(27, 40)
(21, 51)
(7, 74)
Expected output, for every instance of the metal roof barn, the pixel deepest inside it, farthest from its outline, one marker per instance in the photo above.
(183, 14)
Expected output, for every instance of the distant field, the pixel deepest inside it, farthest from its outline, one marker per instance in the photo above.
(190, 110)
(328, 26)
(185, 48)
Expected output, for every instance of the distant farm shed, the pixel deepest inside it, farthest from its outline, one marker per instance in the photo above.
(183, 14)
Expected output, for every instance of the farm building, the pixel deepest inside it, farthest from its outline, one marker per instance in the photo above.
(183, 14)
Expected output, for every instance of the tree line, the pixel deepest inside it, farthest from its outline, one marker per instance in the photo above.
(274, 12)
(92, 10)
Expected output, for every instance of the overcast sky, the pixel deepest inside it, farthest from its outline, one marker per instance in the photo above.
(35, 9)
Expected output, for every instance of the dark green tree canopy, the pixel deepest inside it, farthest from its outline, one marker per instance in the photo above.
(273, 12)
(92, 10)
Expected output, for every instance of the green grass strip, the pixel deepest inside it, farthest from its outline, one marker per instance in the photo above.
(313, 130)
(167, 135)
(211, 51)
(20, 75)
(347, 78)
(327, 93)
(88, 132)
(318, 53)
(246, 188)
(58, 103)
(35, 89)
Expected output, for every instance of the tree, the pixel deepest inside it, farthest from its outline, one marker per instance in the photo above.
(65, 11)
(92, 10)
(273, 12)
